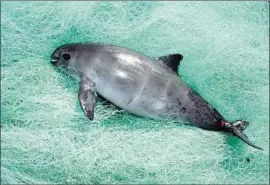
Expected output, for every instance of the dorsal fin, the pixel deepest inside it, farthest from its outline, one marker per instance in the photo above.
(172, 61)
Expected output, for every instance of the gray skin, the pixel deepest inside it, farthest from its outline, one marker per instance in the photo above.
(144, 86)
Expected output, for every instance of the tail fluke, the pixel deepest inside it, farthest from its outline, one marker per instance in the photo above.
(237, 129)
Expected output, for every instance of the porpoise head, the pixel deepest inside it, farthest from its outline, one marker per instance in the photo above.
(64, 55)
(67, 58)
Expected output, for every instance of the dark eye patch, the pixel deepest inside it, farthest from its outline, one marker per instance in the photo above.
(66, 56)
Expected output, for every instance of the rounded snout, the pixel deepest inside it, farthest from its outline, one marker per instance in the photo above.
(54, 61)
(54, 58)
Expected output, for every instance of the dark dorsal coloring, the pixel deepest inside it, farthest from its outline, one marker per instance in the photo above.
(172, 61)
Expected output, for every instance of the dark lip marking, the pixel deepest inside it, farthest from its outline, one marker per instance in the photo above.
(54, 61)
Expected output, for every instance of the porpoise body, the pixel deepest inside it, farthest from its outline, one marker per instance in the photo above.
(144, 86)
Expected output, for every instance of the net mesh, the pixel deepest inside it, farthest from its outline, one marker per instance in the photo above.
(46, 138)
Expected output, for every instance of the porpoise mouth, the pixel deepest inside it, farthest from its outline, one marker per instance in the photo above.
(54, 60)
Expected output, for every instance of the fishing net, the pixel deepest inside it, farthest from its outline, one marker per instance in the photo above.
(46, 138)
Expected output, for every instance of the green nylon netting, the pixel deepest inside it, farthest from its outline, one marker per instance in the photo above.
(46, 138)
